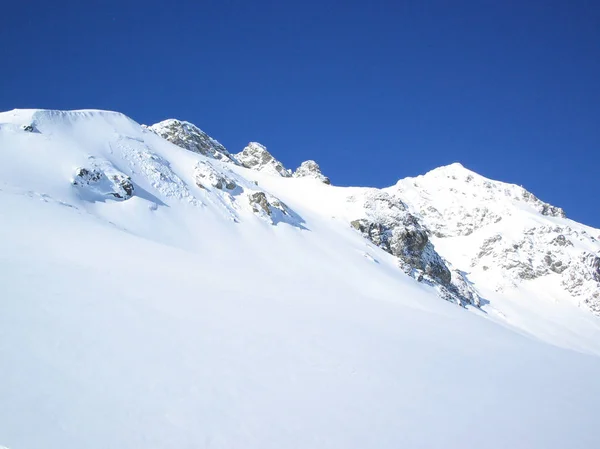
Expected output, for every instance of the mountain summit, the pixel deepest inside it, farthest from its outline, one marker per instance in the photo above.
(158, 290)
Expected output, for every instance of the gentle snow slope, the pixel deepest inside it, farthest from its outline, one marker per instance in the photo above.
(182, 318)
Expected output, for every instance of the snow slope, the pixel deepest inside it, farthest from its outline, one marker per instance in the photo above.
(528, 261)
(222, 307)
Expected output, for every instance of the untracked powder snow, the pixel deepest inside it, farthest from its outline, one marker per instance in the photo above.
(159, 296)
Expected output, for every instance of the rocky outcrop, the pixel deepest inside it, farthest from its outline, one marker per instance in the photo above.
(389, 225)
(544, 251)
(509, 235)
(192, 138)
(310, 169)
(409, 244)
(267, 206)
(541, 207)
(205, 175)
(582, 279)
(104, 183)
(256, 157)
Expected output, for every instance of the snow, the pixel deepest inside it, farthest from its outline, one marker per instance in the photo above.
(501, 236)
(181, 318)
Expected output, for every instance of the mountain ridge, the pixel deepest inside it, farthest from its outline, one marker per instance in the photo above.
(577, 280)
(157, 296)
(404, 219)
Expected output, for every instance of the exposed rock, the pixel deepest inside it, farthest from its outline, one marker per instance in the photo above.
(459, 287)
(513, 236)
(310, 169)
(206, 175)
(267, 205)
(561, 240)
(488, 246)
(543, 208)
(256, 157)
(582, 279)
(104, 183)
(554, 264)
(390, 226)
(28, 128)
(522, 259)
(409, 243)
(192, 138)
(258, 201)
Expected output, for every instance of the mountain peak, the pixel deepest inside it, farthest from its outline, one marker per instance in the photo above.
(256, 157)
(189, 136)
(310, 169)
(456, 169)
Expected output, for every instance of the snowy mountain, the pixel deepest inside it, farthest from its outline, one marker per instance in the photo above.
(503, 236)
(160, 291)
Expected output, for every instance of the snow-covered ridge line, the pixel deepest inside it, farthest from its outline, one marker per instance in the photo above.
(146, 288)
(444, 204)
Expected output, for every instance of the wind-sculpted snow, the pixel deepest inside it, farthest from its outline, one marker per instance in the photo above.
(157, 170)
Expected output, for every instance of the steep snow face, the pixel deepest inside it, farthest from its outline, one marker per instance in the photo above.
(153, 296)
(310, 169)
(256, 157)
(192, 138)
(502, 235)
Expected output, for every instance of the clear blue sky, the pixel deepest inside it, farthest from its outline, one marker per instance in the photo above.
(373, 90)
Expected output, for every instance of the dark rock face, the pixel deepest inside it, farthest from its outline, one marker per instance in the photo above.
(259, 201)
(28, 128)
(389, 225)
(410, 245)
(125, 185)
(83, 175)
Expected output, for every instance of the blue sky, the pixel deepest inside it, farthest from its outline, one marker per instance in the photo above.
(374, 91)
